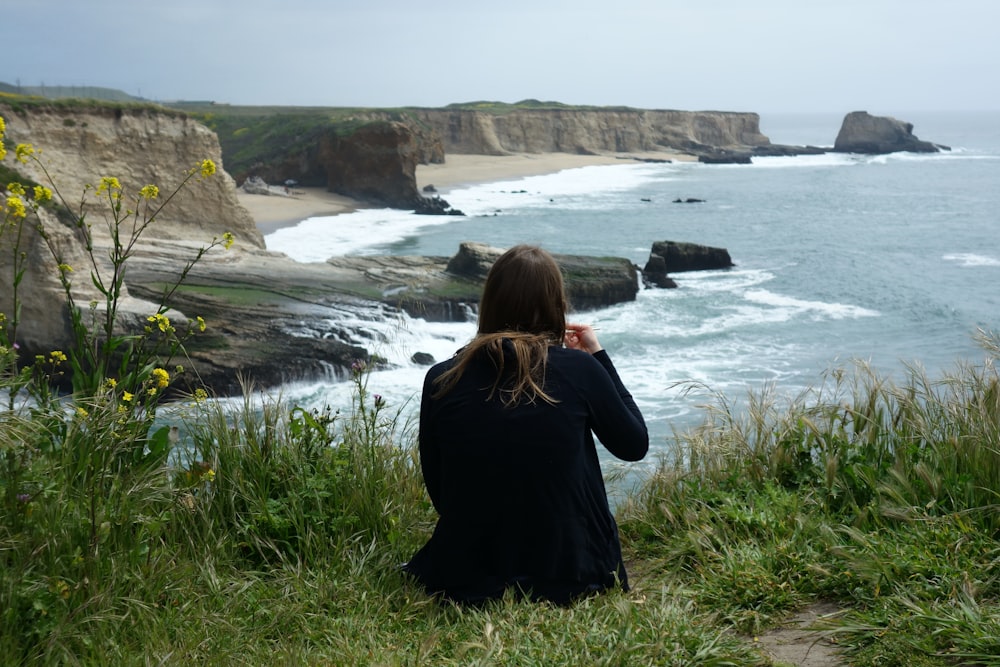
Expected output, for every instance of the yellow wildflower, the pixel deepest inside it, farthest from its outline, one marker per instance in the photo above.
(110, 383)
(3, 127)
(151, 392)
(42, 194)
(201, 323)
(127, 396)
(23, 152)
(149, 192)
(3, 151)
(200, 395)
(208, 475)
(15, 188)
(57, 356)
(228, 240)
(83, 413)
(66, 268)
(108, 183)
(15, 208)
(207, 168)
(162, 321)
(161, 377)
(61, 588)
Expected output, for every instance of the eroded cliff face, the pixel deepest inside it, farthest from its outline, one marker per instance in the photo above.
(80, 145)
(585, 131)
(376, 162)
(138, 146)
(372, 155)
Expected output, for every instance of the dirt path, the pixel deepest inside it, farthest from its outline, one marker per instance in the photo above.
(798, 641)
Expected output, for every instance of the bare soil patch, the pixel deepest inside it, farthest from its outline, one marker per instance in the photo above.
(802, 641)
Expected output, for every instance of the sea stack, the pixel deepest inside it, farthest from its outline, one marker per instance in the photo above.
(878, 135)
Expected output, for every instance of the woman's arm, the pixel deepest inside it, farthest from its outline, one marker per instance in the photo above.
(430, 460)
(615, 417)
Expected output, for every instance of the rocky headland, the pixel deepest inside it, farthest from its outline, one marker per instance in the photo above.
(276, 320)
(368, 154)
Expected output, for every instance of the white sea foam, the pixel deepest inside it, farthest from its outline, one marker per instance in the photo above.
(317, 239)
(723, 281)
(818, 309)
(583, 187)
(365, 231)
(802, 161)
(959, 154)
(971, 259)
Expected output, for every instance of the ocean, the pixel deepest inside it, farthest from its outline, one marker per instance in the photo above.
(893, 260)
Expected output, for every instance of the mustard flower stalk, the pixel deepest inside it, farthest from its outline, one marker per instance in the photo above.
(161, 377)
(15, 208)
(23, 151)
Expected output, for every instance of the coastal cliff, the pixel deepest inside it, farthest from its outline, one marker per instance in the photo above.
(582, 130)
(139, 145)
(269, 318)
(372, 154)
(371, 157)
(79, 144)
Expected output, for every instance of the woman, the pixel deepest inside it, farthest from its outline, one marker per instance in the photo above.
(507, 447)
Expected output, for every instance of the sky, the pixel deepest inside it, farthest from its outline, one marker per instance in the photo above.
(883, 56)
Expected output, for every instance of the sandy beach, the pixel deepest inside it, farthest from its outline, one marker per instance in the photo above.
(272, 212)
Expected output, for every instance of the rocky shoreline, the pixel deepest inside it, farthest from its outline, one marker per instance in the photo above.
(279, 321)
(274, 320)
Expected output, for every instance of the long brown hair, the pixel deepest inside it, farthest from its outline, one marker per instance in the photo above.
(523, 305)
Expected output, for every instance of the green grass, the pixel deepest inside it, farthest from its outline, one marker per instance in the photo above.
(34, 103)
(877, 495)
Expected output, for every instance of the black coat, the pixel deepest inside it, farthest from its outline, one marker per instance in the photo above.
(519, 490)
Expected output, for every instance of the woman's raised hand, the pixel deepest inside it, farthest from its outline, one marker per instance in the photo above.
(582, 337)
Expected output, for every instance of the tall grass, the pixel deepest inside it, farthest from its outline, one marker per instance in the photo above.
(875, 492)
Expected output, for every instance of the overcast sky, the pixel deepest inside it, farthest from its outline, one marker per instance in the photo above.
(884, 56)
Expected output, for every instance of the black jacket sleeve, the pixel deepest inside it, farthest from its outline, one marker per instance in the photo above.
(615, 418)
(430, 457)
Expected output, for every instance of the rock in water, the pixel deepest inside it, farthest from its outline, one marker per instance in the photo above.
(670, 257)
(878, 135)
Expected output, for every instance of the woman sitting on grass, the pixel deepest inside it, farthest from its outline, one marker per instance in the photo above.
(507, 448)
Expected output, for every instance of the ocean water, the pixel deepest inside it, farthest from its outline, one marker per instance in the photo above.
(892, 260)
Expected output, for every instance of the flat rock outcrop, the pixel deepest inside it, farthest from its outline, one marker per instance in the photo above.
(667, 257)
(879, 135)
(448, 288)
